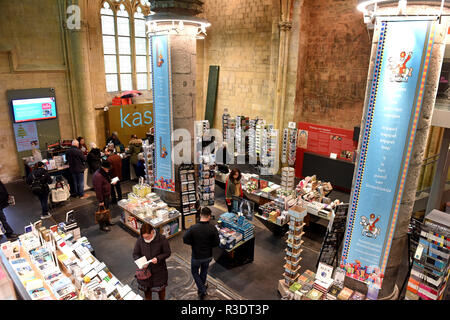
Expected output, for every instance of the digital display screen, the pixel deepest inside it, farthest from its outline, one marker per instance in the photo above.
(34, 109)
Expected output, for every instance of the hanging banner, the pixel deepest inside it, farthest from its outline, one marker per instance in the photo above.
(26, 133)
(400, 71)
(162, 107)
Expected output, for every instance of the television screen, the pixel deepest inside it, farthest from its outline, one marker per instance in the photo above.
(34, 109)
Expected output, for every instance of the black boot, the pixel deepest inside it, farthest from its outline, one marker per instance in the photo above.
(103, 227)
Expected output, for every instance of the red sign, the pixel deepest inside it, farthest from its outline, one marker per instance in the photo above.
(46, 106)
(323, 140)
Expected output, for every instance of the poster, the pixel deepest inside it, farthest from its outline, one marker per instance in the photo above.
(389, 128)
(25, 134)
(325, 140)
(162, 107)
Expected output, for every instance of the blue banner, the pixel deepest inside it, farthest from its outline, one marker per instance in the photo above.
(387, 138)
(162, 108)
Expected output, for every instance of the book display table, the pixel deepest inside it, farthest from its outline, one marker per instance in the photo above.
(237, 241)
(275, 228)
(134, 222)
(242, 253)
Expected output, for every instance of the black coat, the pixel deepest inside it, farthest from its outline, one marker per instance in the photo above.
(76, 160)
(94, 160)
(44, 178)
(4, 196)
(160, 249)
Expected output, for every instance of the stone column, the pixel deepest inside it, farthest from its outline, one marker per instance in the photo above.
(397, 254)
(183, 52)
(78, 52)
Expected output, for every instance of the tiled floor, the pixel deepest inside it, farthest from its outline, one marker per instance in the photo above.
(257, 280)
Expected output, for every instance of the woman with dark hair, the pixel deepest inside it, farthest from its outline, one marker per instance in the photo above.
(82, 145)
(155, 247)
(233, 187)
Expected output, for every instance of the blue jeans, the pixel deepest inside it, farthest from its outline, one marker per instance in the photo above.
(200, 277)
(44, 203)
(78, 183)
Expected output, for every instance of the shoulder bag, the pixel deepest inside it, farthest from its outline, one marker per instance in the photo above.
(102, 214)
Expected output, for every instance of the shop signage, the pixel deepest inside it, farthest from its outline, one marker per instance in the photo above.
(162, 99)
(130, 119)
(388, 131)
(25, 133)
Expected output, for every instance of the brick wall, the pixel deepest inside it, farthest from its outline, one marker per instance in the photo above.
(333, 65)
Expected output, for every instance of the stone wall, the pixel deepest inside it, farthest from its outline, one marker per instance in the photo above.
(31, 56)
(334, 57)
(240, 41)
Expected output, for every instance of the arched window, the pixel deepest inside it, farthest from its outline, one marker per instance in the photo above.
(125, 46)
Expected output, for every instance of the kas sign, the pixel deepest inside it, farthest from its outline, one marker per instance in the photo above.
(130, 119)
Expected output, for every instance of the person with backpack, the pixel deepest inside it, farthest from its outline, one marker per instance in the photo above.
(39, 179)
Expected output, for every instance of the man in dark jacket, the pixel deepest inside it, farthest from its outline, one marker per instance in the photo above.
(39, 179)
(102, 186)
(4, 203)
(77, 161)
(94, 158)
(116, 171)
(203, 237)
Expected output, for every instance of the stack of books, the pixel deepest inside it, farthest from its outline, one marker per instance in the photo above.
(294, 243)
(313, 295)
(333, 292)
(429, 274)
(239, 224)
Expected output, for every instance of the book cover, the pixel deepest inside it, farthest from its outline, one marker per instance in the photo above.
(345, 294)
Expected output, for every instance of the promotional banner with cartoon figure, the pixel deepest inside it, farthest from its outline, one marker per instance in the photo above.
(162, 107)
(388, 132)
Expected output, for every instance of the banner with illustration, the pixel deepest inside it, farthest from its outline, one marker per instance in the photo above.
(388, 131)
(26, 136)
(162, 107)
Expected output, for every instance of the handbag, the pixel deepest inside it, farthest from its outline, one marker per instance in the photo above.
(102, 214)
(143, 274)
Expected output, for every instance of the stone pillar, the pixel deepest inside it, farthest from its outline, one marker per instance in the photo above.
(397, 254)
(78, 52)
(183, 50)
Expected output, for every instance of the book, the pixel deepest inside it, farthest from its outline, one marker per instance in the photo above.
(333, 293)
(314, 294)
(345, 294)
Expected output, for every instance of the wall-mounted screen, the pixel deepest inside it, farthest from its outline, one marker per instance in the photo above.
(34, 109)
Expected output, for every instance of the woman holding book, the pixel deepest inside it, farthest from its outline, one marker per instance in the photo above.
(155, 248)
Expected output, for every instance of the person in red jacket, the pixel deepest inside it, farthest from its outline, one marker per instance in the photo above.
(102, 186)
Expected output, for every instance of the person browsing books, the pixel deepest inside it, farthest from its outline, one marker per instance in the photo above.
(202, 237)
(155, 248)
(233, 187)
(102, 186)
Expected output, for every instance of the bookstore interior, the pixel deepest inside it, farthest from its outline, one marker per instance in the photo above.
(346, 207)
